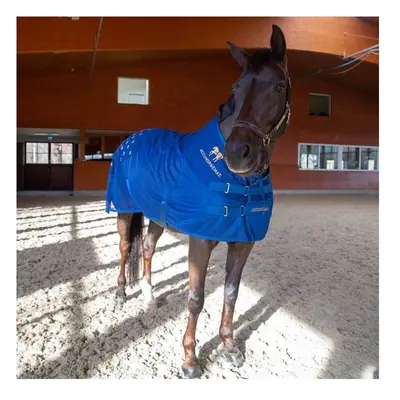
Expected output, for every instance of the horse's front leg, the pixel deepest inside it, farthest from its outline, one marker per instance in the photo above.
(154, 233)
(236, 260)
(199, 256)
(123, 225)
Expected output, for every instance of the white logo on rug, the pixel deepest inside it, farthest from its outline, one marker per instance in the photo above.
(215, 152)
(218, 156)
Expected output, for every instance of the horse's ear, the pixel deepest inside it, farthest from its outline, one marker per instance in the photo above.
(239, 54)
(278, 43)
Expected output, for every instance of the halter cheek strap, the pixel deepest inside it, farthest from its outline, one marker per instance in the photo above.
(267, 137)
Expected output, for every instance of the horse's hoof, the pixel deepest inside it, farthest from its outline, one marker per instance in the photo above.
(151, 306)
(235, 357)
(120, 298)
(192, 372)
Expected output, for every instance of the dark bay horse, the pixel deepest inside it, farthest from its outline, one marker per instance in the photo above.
(249, 124)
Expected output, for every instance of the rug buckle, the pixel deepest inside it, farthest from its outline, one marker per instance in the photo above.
(226, 211)
(228, 186)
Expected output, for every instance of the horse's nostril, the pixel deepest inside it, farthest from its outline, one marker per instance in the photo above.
(246, 151)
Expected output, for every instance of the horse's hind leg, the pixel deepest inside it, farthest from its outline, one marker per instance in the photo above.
(123, 225)
(154, 233)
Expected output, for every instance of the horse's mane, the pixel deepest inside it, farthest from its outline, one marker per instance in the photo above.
(226, 109)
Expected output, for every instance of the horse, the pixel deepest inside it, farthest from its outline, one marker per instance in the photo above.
(220, 173)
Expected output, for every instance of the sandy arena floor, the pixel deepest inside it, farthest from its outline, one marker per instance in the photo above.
(307, 306)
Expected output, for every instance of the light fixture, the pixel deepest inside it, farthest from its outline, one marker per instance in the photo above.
(45, 134)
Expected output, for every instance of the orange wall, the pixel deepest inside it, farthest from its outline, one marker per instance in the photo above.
(354, 121)
(91, 175)
(319, 34)
(184, 94)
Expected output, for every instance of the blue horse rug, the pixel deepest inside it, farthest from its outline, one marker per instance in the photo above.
(182, 181)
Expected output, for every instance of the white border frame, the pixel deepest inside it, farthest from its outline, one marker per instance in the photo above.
(338, 145)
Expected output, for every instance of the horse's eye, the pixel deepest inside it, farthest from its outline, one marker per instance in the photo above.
(279, 88)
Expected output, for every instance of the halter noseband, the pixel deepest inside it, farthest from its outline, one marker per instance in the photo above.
(267, 137)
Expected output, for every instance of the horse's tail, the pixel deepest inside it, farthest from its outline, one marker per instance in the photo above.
(136, 251)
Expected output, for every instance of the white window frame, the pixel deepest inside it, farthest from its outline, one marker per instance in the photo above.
(320, 94)
(132, 94)
(340, 157)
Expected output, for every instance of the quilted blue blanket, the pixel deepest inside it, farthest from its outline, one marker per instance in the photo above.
(182, 181)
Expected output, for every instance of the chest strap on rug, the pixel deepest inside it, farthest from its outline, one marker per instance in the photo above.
(231, 211)
(238, 189)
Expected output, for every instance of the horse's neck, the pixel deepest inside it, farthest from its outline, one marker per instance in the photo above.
(226, 111)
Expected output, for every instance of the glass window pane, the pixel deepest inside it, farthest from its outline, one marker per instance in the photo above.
(61, 153)
(67, 158)
(351, 157)
(308, 156)
(369, 159)
(93, 147)
(29, 158)
(66, 148)
(55, 149)
(111, 143)
(328, 157)
(36, 153)
(42, 148)
(56, 158)
(42, 159)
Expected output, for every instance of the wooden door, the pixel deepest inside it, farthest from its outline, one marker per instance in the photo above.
(48, 166)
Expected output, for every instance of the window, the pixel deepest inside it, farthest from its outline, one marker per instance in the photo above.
(111, 144)
(61, 153)
(328, 157)
(133, 91)
(37, 153)
(350, 157)
(369, 159)
(49, 153)
(337, 157)
(309, 156)
(101, 146)
(320, 105)
(93, 148)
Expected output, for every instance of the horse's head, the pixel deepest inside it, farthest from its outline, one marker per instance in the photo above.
(259, 109)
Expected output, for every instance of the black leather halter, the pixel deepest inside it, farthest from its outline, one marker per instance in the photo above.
(267, 137)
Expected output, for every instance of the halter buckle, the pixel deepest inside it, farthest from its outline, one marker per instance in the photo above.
(267, 140)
